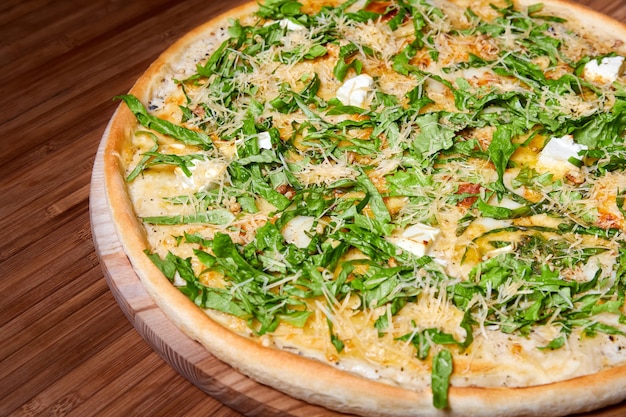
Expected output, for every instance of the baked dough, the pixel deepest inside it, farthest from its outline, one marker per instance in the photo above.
(506, 374)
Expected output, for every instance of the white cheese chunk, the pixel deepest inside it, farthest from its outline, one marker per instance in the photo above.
(590, 269)
(508, 203)
(178, 280)
(606, 71)
(416, 239)
(356, 91)
(555, 155)
(295, 231)
(265, 140)
(204, 173)
(358, 5)
(290, 25)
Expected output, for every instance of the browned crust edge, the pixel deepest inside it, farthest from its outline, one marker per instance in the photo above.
(331, 387)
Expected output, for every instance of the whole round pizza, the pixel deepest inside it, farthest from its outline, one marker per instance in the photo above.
(388, 208)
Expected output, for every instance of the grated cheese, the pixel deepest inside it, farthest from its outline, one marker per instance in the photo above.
(437, 217)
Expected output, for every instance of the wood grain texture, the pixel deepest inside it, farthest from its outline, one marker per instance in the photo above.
(66, 347)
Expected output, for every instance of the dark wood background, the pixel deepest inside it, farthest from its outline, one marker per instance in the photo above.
(66, 348)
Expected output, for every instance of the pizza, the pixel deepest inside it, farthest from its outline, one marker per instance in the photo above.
(388, 208)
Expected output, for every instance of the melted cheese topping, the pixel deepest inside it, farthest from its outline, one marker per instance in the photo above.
(288, 81)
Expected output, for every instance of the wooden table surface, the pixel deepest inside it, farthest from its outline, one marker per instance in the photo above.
(66, 348)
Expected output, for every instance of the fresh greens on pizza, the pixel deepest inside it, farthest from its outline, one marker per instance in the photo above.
(424, 193)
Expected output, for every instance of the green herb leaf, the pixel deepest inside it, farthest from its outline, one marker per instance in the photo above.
(440, 378)
(434, 136)
(141, 166)
(278, 9)
(376, 202)
(554, 343)
(217, 216)
(500, 151)
(187, 136)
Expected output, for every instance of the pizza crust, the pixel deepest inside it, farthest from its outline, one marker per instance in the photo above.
(331, 387)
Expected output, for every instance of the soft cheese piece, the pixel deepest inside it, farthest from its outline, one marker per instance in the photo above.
(178, 280)
(203, 174)
(555, 155)
(295, 231)
(290, 25)
(606, 71)
(416, 239)
(265, 140)
(356, 91)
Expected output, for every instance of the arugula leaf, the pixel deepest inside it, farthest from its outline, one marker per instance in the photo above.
(167, 266)
(503, 213)
(434, 136)
(401, 62)
(143, 162)
(299, 53)
(376, 202)
(197, 238)
(217, 60)
(379, 285)
(334, 339)
(409, 182)
(217, 216)
(346, 53)
(382, 322)
(187, 136)
(287, 101)
(422, 340)
(418, 98)
(500, 151)
(296, 318)
(202, 296)
(184, 162)
(372, 245)
(440, 378)
(595, 327)
(555, 343)
(260, 186)
(278, 9)
(620, 198)
(363, 16)
(604, 129)
(315, 51)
